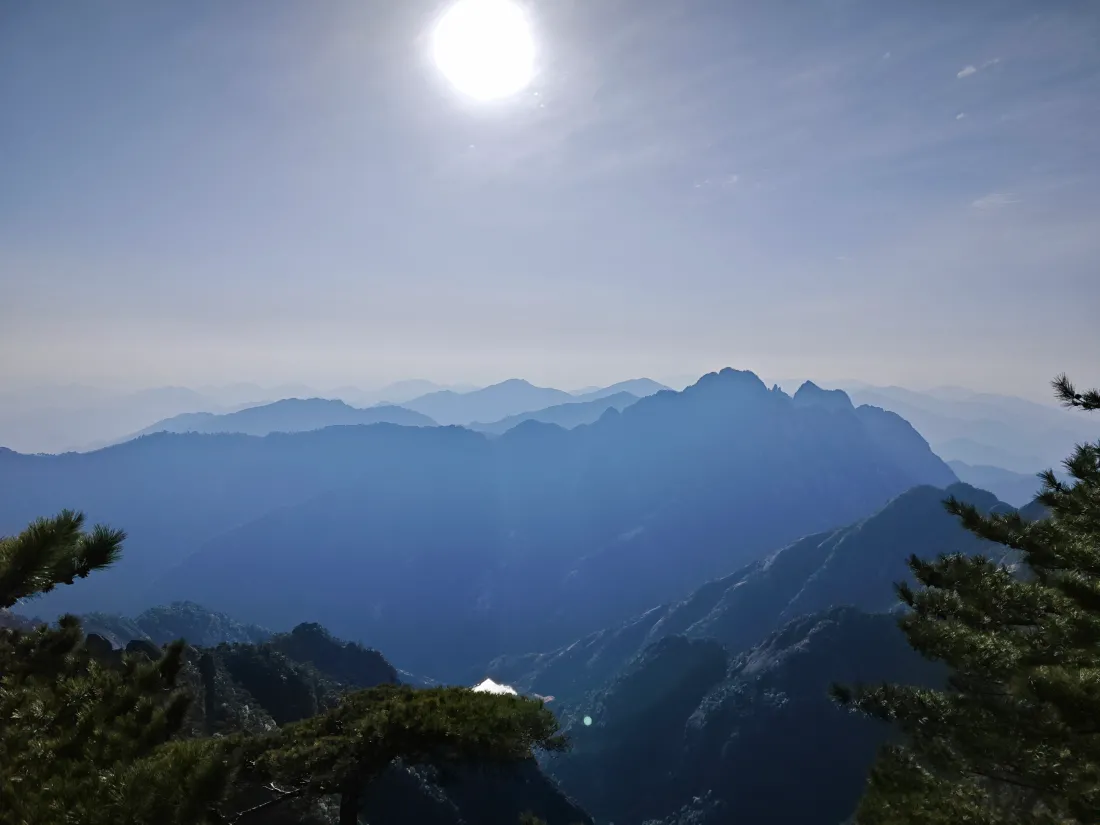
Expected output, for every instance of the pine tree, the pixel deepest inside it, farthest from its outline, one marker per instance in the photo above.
(96, 737)
(1015, 736)
(342, 751)
(83, 739)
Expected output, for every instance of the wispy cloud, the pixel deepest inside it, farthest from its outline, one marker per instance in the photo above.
(721, 182)
(966, 71)
(960, 115)
(994, 200)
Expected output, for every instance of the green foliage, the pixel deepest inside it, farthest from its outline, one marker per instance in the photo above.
(54, 551)
(341, 751)
(1015, 737)
(95, 736)
(285, 689)
(347, 662)
(85, 738)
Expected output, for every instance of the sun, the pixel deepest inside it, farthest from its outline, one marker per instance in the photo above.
(485, 48)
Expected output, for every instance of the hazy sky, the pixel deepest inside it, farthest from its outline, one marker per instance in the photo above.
(267, 190)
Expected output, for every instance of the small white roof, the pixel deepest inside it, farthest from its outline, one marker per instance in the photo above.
(489, 686)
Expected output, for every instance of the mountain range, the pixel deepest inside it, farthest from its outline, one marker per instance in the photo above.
(451, 547)
(77, 418)
(289, 415)
(855, 565)
(509, 400)
(1011, 487)
(569, 415)
(685, 573)
(984, 429)
(700, 711)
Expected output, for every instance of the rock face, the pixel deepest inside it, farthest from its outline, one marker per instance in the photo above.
(682, 737)
(714, 710)
(855, 565)
(811, 395)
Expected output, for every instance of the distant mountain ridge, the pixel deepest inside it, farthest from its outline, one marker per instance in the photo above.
(290, 415)
(984, 429)
(492, 403)
(180, 620)
(1017, 489)
(638, 387)
(568, 415)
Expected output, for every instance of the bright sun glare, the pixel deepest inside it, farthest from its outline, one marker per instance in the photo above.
(485, 48)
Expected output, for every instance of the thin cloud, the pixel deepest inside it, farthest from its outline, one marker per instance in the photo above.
(966, 71)
(719, 183)
(994, 200)
(960, 115)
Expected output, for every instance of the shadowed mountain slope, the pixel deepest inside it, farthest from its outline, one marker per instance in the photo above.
(856, 565)
(687, 733)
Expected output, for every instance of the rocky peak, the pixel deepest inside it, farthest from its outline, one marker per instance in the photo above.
(810, 394)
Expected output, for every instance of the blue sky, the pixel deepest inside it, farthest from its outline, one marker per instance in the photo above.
(897, 192)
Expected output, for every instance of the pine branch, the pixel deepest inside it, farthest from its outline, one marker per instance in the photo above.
(1068, 395)
(53, 551)
(283, 796)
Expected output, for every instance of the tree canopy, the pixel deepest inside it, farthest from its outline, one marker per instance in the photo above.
(1015, 735)
(90, 735)
(84, 739)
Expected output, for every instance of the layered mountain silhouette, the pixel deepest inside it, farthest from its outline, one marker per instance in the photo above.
(856, 565)
(291, 415)
(985, 429)
(1017, 489)
(491, 403)
(638, 387)
(181, 620)
(568, 415)
(447, 548)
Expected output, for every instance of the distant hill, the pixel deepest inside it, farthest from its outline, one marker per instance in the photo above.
(181, 620)
(638, 387)
(1014, 488)
(563, 415)
(71, 418)
(447, 548)
(488, 404)
(290, 415)
(986, 429)
(856, 565)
